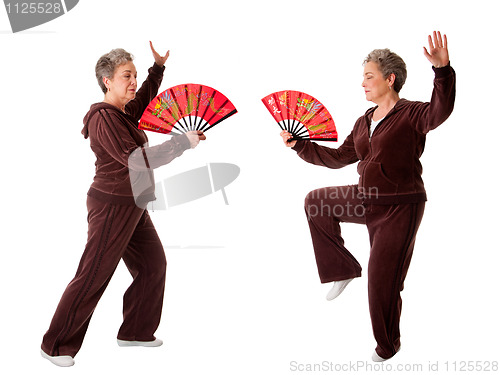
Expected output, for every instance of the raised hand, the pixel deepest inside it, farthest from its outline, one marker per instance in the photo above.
(438, 50)
(159, 60)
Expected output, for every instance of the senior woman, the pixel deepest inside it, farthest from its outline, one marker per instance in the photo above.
(389, 199)
(119, 226)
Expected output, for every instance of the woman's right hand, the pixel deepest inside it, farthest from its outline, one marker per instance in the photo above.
(195, 136)
(287, 136)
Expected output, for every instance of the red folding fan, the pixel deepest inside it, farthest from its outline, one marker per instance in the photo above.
(186, 107)
(301, 115)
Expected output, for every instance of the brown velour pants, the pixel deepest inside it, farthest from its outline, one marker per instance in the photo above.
(392, 230)
(114, 232)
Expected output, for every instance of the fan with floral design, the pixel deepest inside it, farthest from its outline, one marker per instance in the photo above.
(301, 115)
(186, 107)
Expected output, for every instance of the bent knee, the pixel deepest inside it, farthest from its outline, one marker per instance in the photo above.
(313, 203)
(313, 197)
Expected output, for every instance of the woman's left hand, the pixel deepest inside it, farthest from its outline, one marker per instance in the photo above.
(159, 60)
(438, 50)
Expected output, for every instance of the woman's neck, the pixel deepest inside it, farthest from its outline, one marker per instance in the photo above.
(108, 99)
(385, 105)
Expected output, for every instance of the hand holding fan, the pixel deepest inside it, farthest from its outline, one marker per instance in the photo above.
(185, 108)
(301, 115)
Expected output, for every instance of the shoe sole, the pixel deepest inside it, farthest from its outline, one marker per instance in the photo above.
(147, 344)
(61, 361)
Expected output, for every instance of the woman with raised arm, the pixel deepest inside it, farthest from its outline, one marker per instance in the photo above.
(119, 226)
(389, 198)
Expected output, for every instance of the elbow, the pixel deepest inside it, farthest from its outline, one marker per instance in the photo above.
(138, 161)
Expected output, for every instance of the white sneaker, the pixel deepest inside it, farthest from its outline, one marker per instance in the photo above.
(60, 360)
(337, 288)
(377, 358)
(148, 344)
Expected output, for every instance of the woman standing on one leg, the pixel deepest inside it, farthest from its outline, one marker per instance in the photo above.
(119, 227)
(388, 141)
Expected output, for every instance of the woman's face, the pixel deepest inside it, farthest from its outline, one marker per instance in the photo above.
(374, 83)
(123, 86)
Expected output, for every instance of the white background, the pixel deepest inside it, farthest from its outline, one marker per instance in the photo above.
(242, 293)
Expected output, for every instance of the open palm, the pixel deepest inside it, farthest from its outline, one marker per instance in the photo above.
(438, 50)
(159, 60)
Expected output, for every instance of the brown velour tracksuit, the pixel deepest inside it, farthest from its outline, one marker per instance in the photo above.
(389, 199)
(118, 228)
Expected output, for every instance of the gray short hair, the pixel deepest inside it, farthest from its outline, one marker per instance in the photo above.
(107, 64)
(389, 63)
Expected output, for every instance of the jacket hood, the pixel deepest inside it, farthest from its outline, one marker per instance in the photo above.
(94, 108)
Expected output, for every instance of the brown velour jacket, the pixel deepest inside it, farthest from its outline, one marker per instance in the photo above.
(389, 167)
(115, 139)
